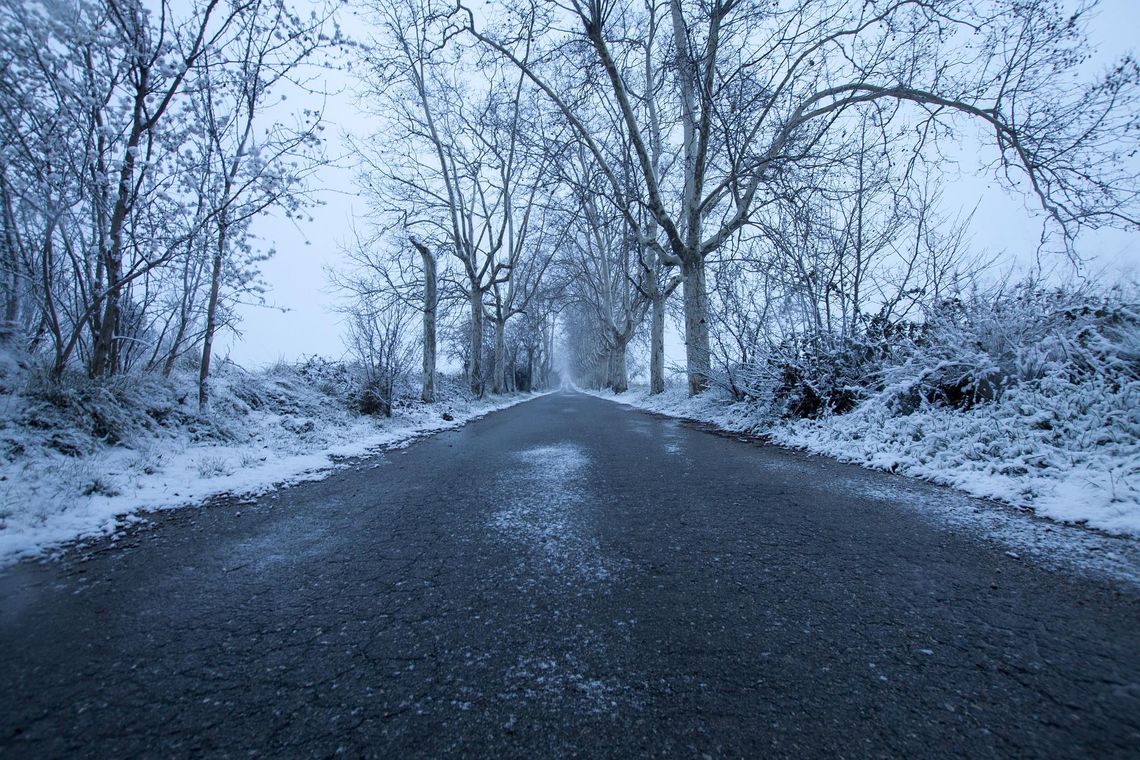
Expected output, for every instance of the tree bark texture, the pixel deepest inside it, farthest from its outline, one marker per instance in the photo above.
(657, 347)
(500, 381)
(211, 318)
(475, 370)
(618, 380)
(427, 393)
(696, 301)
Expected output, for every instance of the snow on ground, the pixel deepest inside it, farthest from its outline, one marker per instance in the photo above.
(563, 682)
(1081, 468)
(59, 483)
(544, 517)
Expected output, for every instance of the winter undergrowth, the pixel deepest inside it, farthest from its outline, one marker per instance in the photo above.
(79, 457)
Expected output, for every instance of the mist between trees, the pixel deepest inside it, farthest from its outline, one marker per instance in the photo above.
(546, 183)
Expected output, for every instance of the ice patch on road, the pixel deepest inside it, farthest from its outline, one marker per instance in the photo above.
(672, 438)
(546, 514)
(557, 463)
(285, 543)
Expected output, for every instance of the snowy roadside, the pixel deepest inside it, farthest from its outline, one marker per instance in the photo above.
(51, 498)
(993, 452)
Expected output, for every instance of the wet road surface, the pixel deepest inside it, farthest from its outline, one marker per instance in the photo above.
(570, 577)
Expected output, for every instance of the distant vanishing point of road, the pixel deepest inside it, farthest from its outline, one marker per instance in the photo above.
(570, 577)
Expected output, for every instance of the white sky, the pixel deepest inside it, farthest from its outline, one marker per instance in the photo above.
(298, 284)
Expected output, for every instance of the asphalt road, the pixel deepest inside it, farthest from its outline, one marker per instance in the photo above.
(569, 577)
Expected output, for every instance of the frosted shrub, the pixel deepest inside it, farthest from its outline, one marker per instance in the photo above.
(119, 410)
(816, 374)
(1031, 396)
(333, 379)
(147, 461)
(100, 485)
(376, 396)
(973, 351)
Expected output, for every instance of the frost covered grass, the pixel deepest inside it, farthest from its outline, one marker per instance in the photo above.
(1032, 399)
(79, 458)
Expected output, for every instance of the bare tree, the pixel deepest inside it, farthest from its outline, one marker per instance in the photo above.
(377, 337)
(253, 173)
(610, 275)
(157, 62)
(131, 171)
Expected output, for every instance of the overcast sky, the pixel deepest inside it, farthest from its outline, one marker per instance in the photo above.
(298, 284)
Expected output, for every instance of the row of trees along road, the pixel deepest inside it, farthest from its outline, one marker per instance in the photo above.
(537, 166)
(775, 160)
(753, 127)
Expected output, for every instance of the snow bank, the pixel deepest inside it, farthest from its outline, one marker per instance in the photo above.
(1071, 458)
(82, 461)
(1028, 396)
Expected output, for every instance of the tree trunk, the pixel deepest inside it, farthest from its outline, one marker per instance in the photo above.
(9, 327)
(657, 346)
(191, 273)
(176, 344)
(697, 349)
(546, 364)
(211, 320)
(428, 380)
(51, 314)
(102, 360)
(500, 381)
(475, 373)
(618, 382)
(179, 335)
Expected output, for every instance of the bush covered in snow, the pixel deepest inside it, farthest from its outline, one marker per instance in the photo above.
(814, 374)
(1062, 344)
(1032, 397)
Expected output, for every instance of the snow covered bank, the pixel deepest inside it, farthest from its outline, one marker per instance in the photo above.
(1083, 467)
(81, 461)
(1028, 395)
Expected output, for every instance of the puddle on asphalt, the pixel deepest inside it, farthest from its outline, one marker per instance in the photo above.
(672, 438)
(667, 433)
